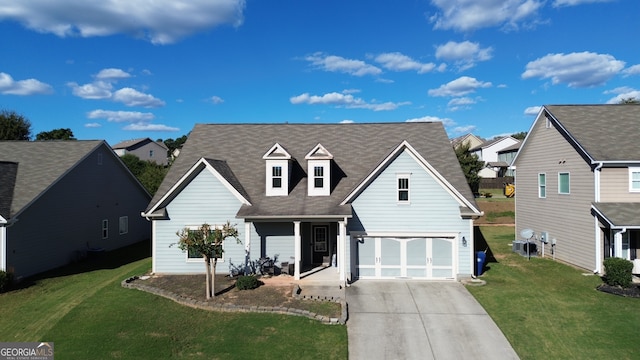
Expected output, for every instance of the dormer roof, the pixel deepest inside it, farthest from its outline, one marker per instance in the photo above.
(277, 152)
(319, 152)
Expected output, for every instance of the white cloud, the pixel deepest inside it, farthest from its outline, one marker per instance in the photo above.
(160, 21)
(95, 90)
(8, 86)
(339, 64)
(632, 70)
(464, 54)
(112, 74)
(623, 93)
(458, 130)
(347, 121)
(445, 121)
(577, 70)
(460, 103)
(149, 127)
(469, 15)
(120, 116)
(396, 61)
(532, 110)
(459, 87)
(558, 3)
(344, 100)
(92, 125)
(216, 100)
(132, 97)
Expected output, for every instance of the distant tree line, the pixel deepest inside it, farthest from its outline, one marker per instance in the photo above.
(14, 126)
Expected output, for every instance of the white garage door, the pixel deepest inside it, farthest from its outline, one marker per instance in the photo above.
(404, 257)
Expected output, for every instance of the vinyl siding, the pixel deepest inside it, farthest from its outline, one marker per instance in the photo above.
(567, 218)
(276, 241)
(614, 186)
(59, 226)
(431, 210)
(204, 200)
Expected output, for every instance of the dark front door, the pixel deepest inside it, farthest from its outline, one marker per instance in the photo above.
(320, 242)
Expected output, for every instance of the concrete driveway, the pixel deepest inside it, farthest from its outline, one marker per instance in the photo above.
(399, 319)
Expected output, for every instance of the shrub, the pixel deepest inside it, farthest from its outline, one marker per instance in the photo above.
(488, 194)
(5, 280)
(247, 282)
(618, 272)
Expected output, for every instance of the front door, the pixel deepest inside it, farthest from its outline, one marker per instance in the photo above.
(320, 243)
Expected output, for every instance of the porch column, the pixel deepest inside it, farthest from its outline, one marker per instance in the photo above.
(598, 245)
(247, 245)
(342, 250)
(3, 248)
(617, 238)
(297, 241)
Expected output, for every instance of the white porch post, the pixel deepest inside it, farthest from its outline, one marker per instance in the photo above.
(298, 250)
(154, 255)
(598, 245)
(618, 243)
(342, 250)
(3, 248)
(247, 244)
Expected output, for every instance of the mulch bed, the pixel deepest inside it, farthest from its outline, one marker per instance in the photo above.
(633, 291)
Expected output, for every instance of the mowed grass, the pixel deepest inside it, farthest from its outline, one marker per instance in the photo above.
(87, 314)
(549, 310)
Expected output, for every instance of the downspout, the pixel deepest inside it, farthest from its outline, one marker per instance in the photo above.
(597, 231)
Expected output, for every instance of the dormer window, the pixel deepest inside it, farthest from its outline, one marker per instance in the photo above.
(277, 171)
(319, 171)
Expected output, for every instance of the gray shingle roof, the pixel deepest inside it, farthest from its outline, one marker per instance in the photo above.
(136, 143)
(40, 164)
(606, 132)
(8, 172)
(620, 214)
(357, 150)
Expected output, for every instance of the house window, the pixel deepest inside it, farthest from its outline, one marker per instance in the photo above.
(194, 255)
(542, 185)
(276, 177)
(123, 225)
(99, 158)
(105, 228)
(318, 176)
(634, 179)
(403, 188)
(150, 153)
(563, 183)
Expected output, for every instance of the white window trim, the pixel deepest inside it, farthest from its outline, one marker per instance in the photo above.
(283, 190)
(408, 190)
(312, 190)
(568, 178)
(200, 259)
(105, 228)
(122, 230)
(541, 185)
(631, 171)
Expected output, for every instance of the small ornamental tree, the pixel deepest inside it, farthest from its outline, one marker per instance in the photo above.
(207, 241)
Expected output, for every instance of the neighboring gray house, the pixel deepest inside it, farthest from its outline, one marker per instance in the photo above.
(60, 198)
(384, 199)
(145, 149)
(488, 152)
(578, 182)
(505, 158)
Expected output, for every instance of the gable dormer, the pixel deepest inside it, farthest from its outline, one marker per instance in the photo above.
(319, 171)
(277, 171)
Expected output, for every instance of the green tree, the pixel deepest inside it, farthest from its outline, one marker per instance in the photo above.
(519, 135)
(207, 241)
(470, 166)
(174, 144)
(629, 101)
(56, 134)
(14, 126)
(148, 173)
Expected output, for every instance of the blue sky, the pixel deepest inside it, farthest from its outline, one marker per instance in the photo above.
(125, 69)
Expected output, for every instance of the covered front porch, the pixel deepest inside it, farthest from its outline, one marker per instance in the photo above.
(619, 229)
(313, 248)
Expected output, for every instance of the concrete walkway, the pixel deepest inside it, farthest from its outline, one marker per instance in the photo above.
(420, 320)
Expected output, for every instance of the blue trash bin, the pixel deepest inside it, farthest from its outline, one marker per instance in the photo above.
(480, 258)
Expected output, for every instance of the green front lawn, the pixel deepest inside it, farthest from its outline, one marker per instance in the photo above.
(87, 314)
(549, 310)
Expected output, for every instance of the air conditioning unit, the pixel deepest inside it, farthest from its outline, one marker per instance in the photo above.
(525, 248)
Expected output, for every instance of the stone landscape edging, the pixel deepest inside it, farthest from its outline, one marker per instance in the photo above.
(133, 283)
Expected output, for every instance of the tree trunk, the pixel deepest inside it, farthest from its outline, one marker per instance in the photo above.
(207, 264)
(213, 277)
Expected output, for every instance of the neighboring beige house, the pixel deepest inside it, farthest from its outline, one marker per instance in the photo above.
(470, 139)
(578, 183)
(145, 149)
(488, 152)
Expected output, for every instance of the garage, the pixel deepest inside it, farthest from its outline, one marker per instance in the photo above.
(406, 257)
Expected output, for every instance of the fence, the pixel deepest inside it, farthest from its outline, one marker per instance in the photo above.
(495, 183)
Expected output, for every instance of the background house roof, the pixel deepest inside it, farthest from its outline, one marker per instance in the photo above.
(136, 143)
(39, 165)
(605, 132)
(357, 149)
